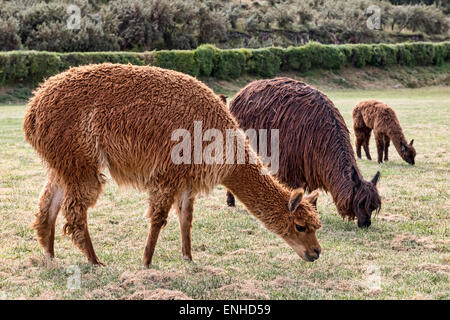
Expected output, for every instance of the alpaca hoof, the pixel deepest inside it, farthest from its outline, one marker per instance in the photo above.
(49, 255)
(97, 263)
(187, 258)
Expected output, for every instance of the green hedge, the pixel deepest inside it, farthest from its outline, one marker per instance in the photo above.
(31, 67)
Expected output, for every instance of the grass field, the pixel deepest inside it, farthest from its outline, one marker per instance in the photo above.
(403, 255)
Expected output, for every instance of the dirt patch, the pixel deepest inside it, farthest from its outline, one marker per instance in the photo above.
(247, 290)
(410, 242)
(432, 267)
(392, 218)
(240, 251)
(109, 292)
(157, 294)
(139, 278)
(208, 270)
(281, 282)
(344, 285)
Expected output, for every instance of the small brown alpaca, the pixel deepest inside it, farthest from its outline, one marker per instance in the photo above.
(123, 118)
(374, 115)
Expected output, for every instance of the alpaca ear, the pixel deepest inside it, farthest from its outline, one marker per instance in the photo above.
(411, 143)
(223, 98)
(296, 198)
(355, 177)
(312, 198)
(376, 178)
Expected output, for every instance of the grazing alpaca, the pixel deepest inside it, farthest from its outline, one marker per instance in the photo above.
(315, 148)
(374, 115)
(123, 118)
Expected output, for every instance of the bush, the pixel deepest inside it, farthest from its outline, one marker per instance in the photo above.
(361, 55)
(179, 60)
(325, 56)
(264, 63)
(9, 38)
(384, 55)
(204, 55)
(230, 64)
(423, 53)
(405, 56)
(298, 58)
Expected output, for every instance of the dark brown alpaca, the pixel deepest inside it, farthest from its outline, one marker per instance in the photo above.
(123, 118)
(374, 115)
(314, 142)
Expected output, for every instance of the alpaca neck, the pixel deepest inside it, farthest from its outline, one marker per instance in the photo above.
(398, 138)
(341, 189)
(261, 194)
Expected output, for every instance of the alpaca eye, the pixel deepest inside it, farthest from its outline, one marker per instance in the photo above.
(300, 228)
(362, 204)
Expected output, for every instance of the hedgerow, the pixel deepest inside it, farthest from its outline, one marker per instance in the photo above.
(31, 67)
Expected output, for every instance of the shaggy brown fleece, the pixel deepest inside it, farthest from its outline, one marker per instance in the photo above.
(315, 148)
(374, 115)
(122, 117)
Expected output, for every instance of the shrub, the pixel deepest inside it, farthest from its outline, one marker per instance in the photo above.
(384, 55)
(423, 53)
(325, 56)
(405, 56)
(204, 55)
(230, 64)
(9, 38)
(299, 58)
(263, 62)
(361, 55)
(179, 60)
(43, 65)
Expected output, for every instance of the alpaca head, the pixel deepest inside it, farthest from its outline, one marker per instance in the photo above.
(365, 198)
(407, 152)
(303, 224)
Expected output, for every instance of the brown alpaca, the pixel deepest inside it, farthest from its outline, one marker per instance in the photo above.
(314, 143)
(374, 115)
(123, 117)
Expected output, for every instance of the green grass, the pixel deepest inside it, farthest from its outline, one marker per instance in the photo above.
(235, 257)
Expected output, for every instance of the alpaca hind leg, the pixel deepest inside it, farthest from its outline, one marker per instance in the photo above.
(231, 202)
(160, 204)
(49, 206)
(386, 147)
(185, 208)
(79, 196)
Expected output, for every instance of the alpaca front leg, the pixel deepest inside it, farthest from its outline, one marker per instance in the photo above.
(358, 144)
(379, 139)
(386, 147)
(186, 208)
(49, 206)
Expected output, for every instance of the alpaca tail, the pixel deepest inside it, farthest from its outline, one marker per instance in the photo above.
(29, 126)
